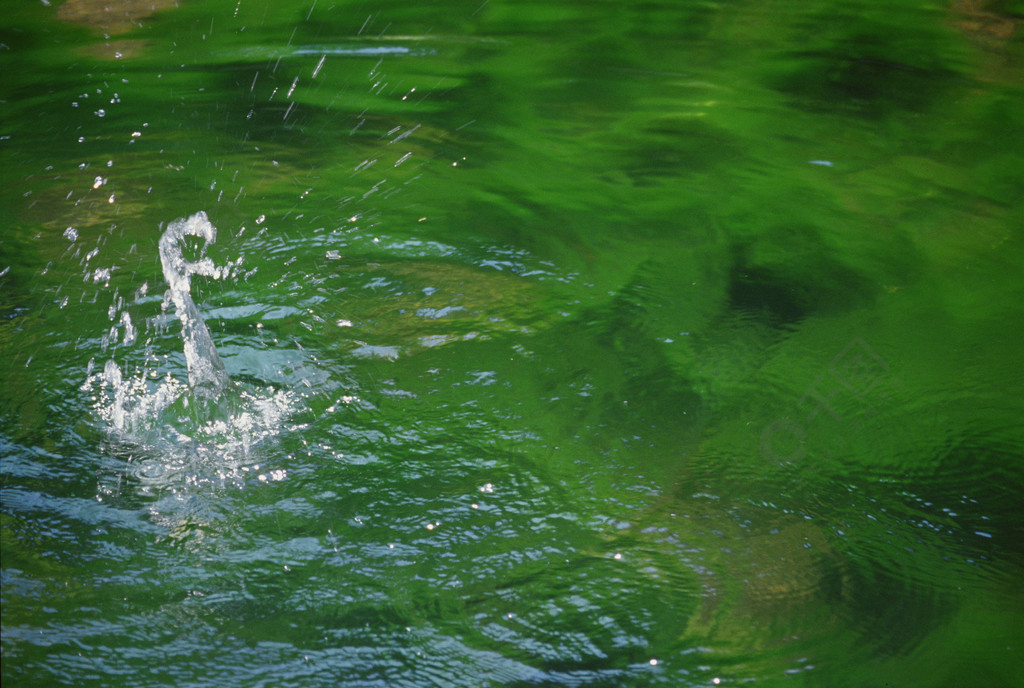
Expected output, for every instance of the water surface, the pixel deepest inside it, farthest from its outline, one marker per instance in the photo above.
(589, 344)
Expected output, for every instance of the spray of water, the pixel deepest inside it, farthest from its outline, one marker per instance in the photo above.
(208, 425)
(206, 374)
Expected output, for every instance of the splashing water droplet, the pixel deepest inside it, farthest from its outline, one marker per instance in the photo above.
(206, 372)
(198, 431)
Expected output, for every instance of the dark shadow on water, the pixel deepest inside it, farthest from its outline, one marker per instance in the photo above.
(790, 275)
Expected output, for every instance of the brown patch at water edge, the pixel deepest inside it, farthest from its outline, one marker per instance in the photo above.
(984, 22)
(111, 16)
(994, 31)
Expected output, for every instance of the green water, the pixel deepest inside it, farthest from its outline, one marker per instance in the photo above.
(616, 344)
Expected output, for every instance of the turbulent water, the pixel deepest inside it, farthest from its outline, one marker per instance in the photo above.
(511, 344)
(206, 374)
(199, 427)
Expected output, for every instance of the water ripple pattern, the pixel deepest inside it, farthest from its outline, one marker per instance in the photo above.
(511, 344)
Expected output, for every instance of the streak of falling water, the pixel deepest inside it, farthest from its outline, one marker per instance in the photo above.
(206, 373)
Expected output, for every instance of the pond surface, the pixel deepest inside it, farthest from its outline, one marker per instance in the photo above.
(569, 343)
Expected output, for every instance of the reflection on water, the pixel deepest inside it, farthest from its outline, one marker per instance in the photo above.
(659, 344)
(111, 17)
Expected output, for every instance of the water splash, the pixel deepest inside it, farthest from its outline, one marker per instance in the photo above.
(198, 431)
(206, 373)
